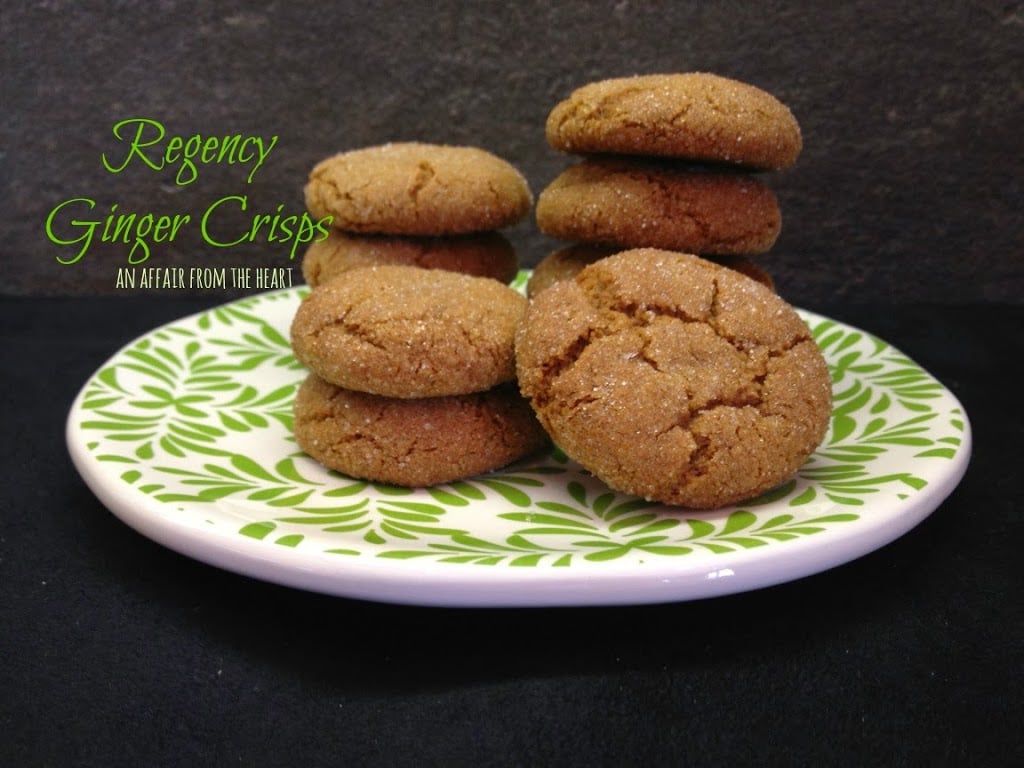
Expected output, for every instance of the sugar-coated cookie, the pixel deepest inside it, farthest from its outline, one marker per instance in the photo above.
(565, 263)
(417, 442)
(673, 378)
(639, 203)
(401, 331)
(485, 254)
(694, 116)
(413, 188)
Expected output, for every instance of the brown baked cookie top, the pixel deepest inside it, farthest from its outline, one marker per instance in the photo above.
(674, 379)
(485, 254)
(414, 442)
(693, 116)
(565, 263)
(402, 331)
(641, 203)
(412, 188)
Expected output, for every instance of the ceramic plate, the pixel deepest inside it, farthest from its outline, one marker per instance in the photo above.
(185, 434)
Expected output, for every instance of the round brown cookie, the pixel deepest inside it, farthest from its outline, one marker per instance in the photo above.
(417, 442)
(673, 378)
(487, 254)
(566, 263)
(636, 203)
(417, 189)
(693, 116)
(401, 331)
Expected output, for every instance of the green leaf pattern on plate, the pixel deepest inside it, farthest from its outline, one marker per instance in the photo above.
(198, 416)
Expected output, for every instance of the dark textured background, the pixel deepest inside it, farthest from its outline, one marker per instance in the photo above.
(909, 186)
(903, 216)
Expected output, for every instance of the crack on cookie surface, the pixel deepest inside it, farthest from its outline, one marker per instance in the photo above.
(418, 189)
(423, 176)
(552, 368)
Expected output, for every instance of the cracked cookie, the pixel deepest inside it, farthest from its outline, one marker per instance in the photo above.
(695, 116)
(413, 188)
(640, 202)
(418, 442)
(408, 332)
(674, 379)
(485, 254)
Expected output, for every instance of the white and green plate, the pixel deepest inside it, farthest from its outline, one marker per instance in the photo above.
(185, 434)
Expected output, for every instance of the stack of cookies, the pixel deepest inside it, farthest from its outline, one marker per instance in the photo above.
(412, 369)
(427, 205)
(647, 356)
(672, 162)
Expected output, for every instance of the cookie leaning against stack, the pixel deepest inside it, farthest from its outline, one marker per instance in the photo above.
(427, 205)
(673, 378)
(672, 162)
(411, 376)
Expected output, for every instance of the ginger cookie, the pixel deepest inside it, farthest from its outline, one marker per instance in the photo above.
(414, 442)
(640, 203)
(486, 254)
(413, 188)
(673, 378)
(401, 331)
(693, 116)
(565, 263)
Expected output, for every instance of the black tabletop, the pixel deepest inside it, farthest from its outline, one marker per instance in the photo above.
(116, 651)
